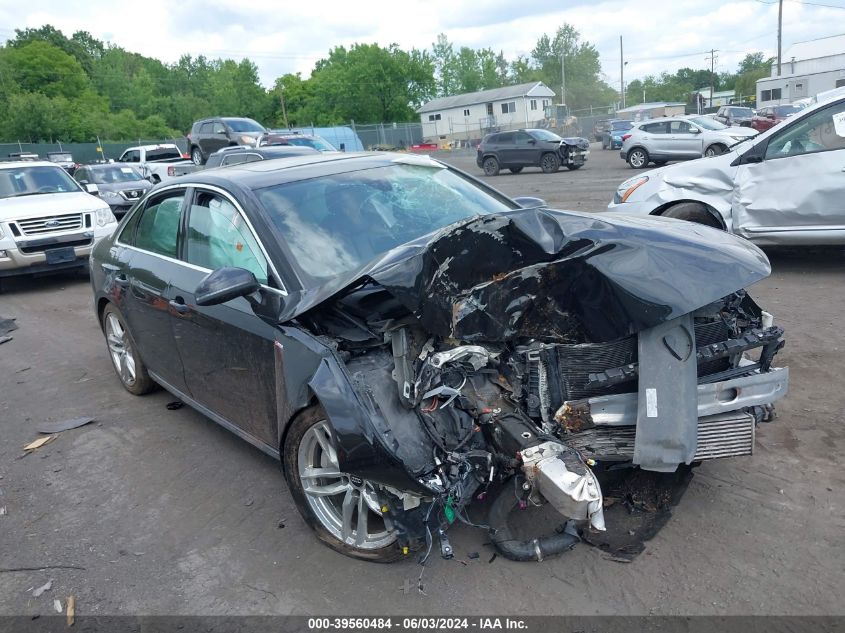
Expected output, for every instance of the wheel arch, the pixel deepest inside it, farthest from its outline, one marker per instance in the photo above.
(715, 213)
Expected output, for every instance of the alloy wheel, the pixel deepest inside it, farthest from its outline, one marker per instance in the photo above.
(345, 505)
(120, 349)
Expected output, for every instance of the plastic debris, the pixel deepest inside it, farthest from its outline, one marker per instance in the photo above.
(45, 587)
(66, 425)
(5, 339)
(41, 441)
(176, 404)
(71, 610)
(57, 605)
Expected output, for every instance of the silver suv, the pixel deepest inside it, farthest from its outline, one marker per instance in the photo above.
(678, 138)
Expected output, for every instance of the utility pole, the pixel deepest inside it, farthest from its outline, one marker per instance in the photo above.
(712, 72)
(780, 30)
(621, 74)
(562, 74)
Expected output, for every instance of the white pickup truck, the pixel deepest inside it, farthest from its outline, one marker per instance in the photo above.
(158, 162)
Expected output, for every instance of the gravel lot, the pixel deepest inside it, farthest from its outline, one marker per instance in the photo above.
(169, 514)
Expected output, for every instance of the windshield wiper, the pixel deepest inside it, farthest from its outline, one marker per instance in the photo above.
(32, 193)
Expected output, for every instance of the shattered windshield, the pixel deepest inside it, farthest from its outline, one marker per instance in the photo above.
(339, 222)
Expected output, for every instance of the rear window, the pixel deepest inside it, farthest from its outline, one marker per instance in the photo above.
(244, 125)
(742, 112)
(786, 110)
(163, 154)
(621, 126)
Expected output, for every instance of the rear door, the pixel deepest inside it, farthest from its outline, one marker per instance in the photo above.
(152, 237)
(655, 139)
(505, 149)
(228, 352)
(797, 193)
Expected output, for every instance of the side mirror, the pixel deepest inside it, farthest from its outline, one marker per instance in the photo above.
(532, 142)
(530, 202)
(225, 284)
(695, 130)
(93, 189)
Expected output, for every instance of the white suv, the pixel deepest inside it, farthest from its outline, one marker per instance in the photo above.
(47, 221)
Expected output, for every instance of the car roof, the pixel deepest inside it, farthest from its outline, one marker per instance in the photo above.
(28, 163)
(266, 173)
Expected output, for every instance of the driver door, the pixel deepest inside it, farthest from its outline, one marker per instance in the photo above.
(796, 194)
(227, 351)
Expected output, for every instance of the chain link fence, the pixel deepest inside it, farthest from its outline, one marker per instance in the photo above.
(83, 152)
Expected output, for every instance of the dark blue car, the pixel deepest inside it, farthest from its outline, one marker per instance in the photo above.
(612, 138)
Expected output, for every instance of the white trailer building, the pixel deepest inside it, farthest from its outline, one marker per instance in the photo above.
(807, 68)
(472, 114)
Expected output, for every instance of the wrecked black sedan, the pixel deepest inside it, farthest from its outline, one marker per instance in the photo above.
(405, 339)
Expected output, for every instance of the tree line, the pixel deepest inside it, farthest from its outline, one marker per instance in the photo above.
(79, 89)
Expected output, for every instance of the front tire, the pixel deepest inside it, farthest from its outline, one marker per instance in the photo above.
(127, 363)
(491, 166)
(638, 158)
(692, 212)
(714, 150)
(342, 509)
(196, 157)
(549, 163)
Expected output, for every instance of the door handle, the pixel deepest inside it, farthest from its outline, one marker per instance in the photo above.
(179, 305)
(121, 280)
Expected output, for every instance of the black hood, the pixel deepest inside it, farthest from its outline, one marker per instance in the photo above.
(540, 273)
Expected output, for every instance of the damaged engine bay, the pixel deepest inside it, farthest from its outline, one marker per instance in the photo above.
(524, 355)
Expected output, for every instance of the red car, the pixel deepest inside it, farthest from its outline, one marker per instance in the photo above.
(772, 115)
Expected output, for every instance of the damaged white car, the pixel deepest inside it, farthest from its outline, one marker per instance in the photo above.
(783, 187)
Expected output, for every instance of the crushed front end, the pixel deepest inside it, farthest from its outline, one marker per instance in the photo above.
(521, 355)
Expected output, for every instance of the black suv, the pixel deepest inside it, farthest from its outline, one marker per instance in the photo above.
(209, 135)
(530, 148)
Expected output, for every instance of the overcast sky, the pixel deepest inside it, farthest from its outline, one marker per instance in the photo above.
(283, 37)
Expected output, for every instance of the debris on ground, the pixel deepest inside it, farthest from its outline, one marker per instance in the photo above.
(2, 511)
(66, 425)
(7, 325)
(71, 610)
(473, 555)
(640, 504)
(41, 441)
(57, 605)
(5, 339)
(176, 404)
(45, 587)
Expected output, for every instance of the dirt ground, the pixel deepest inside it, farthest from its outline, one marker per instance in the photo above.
(163, 512)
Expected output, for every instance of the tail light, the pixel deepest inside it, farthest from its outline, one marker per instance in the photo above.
(171, 171)
(625, 137)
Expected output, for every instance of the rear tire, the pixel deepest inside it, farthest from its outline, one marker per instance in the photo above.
(491, 166)
(692, 212)
(638, 158)
(310, 447)
(127, 363)
(196, 156)
(549, 163)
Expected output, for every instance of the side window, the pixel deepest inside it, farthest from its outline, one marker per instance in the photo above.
(218, 236)
(233, 159)
(655, 128)
(679, 127)
(822, 131)
(159, 225)
(80, 175)
(218, 128)
(206, 128)
(251, 158)
(131, 157)
(522, 138)
(505, 139)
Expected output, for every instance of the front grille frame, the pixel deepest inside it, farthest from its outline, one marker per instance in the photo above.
(37, 227)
